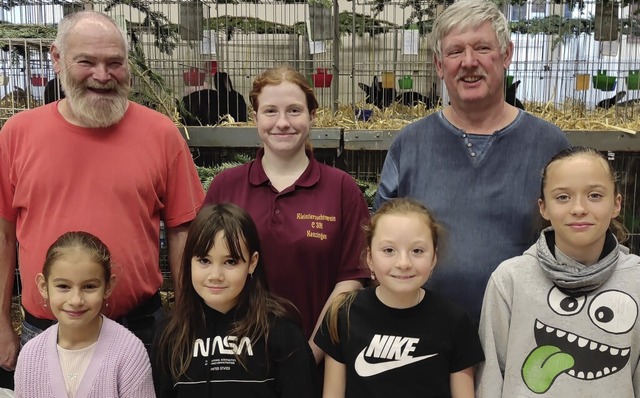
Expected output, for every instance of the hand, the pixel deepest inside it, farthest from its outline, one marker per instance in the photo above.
(9, 347)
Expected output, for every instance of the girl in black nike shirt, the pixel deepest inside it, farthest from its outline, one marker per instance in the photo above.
(399, 339)
(228, 336)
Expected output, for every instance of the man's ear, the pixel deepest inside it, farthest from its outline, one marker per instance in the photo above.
(56, 58)
(438, 63)
(508, 56)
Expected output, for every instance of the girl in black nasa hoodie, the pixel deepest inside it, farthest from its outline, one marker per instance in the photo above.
(228, 336)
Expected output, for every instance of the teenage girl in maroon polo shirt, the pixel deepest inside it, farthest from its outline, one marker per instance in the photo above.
(308, 214)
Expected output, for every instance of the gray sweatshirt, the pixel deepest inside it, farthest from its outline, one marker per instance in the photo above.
(543, 339)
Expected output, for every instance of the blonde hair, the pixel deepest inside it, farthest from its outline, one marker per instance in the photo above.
(397, 206)
(469, 14)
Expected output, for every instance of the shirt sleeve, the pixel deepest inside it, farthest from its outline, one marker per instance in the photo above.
(495, 319)
(296, 373)
(6, 189)
(389, 177)
(354, 213)
(468, 348)
(184, 194)
(136, 372)
(323, 339)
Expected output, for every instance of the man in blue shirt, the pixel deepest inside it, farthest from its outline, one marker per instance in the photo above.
(476, 164)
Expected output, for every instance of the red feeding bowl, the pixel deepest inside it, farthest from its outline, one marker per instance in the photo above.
(213, 67)
(322, 78)
(194, 77)
(38, 80)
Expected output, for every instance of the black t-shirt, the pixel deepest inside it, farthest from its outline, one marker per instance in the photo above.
(409, 352)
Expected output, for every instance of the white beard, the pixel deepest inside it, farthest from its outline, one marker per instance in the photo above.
(92, 110)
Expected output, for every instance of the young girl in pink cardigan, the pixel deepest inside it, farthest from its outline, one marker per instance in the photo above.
(85, 354)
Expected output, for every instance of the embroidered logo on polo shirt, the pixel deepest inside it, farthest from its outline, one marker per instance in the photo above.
(317, 224)
(394, 351)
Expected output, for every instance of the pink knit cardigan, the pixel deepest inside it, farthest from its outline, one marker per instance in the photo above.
(119, 367)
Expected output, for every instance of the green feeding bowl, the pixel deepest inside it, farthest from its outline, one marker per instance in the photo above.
(508, 79)
(405, 83)
(633, 81)
(603, 82)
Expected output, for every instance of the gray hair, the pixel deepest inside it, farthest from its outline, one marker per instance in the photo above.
(70, 21)
(469, 14)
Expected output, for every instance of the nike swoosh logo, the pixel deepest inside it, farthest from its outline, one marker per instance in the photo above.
(366, 369)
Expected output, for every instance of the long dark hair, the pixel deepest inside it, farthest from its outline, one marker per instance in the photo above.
(255, 301)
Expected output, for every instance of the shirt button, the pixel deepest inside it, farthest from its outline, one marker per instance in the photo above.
(464, 136)
(468, 144)
(473, 154)
(277, 211)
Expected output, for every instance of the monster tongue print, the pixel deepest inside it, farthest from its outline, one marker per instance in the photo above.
(543, 365)
(561, 352)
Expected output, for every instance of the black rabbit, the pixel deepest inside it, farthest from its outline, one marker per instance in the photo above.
(202, 107)
(209, 107)
(377, 95)
(510, 95)
(384, 97)
(411, 98)
(631, 102)
(53, 91)
(609, 102)
(230, 102)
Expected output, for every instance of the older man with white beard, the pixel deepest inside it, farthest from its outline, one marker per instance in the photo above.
(93, 161)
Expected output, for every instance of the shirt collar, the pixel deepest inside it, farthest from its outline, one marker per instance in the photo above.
(310, 176)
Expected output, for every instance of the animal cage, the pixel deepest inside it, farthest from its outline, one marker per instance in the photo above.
(577, 58)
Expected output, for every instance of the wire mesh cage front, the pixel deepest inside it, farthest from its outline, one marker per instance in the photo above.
(572, 60)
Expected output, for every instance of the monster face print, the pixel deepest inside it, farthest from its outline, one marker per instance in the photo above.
(561, 352)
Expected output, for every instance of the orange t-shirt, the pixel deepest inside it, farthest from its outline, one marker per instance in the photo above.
(116, 183)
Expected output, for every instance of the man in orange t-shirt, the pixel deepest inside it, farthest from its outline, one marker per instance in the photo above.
(96, 162)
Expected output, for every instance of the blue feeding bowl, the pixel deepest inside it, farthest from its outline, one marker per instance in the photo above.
(364, 114)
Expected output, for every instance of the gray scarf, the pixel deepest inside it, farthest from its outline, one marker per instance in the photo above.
(570, 275)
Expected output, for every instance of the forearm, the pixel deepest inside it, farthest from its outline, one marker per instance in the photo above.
(7, 267)
(341, 287)
(462, 383)
(335, 379)
(176, 238)
(8, 339)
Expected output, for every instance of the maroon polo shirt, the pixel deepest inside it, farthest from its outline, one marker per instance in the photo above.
(310, 233)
